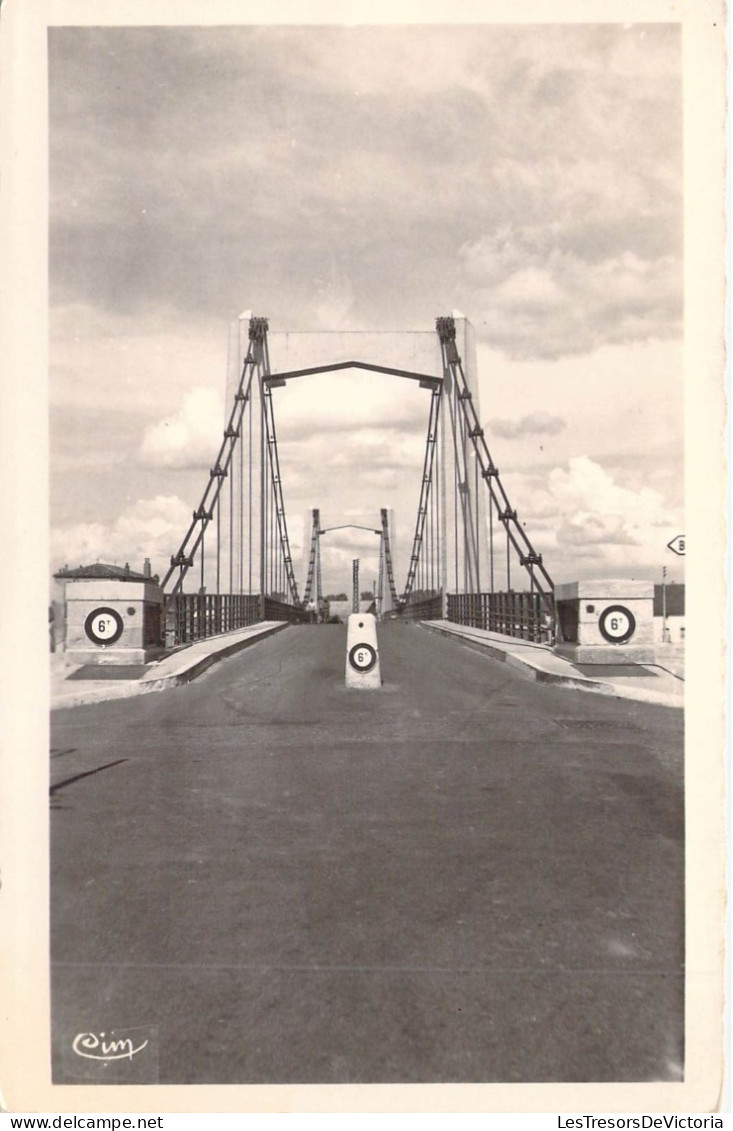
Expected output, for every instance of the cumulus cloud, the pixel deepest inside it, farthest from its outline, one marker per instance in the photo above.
(586, 489)
(534, 424)
(596, 530)
(149, 528)
(588, 523)
(188, 438)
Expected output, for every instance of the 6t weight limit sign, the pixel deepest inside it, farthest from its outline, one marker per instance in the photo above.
(617, 624)
(362, 658)
(104, 626)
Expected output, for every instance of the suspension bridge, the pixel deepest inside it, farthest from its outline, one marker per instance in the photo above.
(434, 881)
(471, 559)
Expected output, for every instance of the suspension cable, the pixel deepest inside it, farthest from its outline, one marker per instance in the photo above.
(279, 504)
(427, 478)
(185, 557)
(240, 519)
(231, 534)
(516, 534)
(249, 506)
(461, 491)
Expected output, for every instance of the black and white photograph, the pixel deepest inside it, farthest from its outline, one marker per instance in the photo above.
(374, 418)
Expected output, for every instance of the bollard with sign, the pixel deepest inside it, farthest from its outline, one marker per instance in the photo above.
(362, 652)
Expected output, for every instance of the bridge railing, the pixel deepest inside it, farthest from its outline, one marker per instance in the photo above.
(196, 616)
(280, 610)
(429, 608)
(518, 614)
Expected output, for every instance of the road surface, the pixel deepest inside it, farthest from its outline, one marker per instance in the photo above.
(463, 876)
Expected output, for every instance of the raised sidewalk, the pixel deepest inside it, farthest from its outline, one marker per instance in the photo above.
(178, 667)
(648, 683)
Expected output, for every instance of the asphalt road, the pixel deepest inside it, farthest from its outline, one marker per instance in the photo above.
(464, 876)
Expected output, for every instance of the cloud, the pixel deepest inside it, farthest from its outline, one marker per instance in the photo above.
(335, 299)
(596, 530)
(148, 528)
(555, 303)
(623, 406)
(534, 424)
(349, 401)
(589, 524)
(530, 175)
(339, 169)
(104, 359)
(190, 437)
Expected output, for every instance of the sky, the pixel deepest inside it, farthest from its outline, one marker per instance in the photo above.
(369, 178)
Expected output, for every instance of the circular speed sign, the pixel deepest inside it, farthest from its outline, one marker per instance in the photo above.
(617, 624)
(104, 626)
(362, 658)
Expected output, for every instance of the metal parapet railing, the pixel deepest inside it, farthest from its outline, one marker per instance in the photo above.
(197, 616)
(523, 615)
(280, 610)
(429, 608)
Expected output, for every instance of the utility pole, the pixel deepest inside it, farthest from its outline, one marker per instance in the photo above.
(665, 630)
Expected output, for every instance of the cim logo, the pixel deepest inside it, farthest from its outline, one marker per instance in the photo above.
(125, 1055)
(103, 1047)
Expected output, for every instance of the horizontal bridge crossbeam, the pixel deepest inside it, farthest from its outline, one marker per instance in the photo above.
(427, 380)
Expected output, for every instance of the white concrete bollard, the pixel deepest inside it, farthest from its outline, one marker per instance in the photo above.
(362, 653)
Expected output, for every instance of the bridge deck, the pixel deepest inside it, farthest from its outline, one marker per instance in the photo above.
(461, 877)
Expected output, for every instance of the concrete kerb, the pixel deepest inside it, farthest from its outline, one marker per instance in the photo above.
(200, 656)
(178, 668)
(536, 662)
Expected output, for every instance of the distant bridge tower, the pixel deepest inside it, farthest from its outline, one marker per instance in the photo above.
(313, 593)
(387, 599)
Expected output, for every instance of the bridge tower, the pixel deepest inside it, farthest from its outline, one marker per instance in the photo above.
(462, 499)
